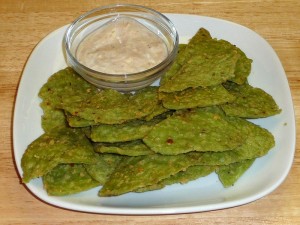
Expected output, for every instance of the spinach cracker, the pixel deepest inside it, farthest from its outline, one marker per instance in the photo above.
(129, 148)
(136, 172)
(63, 87)
(66, 179)
(229, 174)
(210, 62)
(250, 102)
(53, 148)
(196, 97)
(128, 131)
(193, 130)
(112, 107)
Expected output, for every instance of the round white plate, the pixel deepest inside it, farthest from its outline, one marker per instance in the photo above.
(204, 194)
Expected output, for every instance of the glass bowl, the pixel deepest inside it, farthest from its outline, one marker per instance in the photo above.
(96, 19)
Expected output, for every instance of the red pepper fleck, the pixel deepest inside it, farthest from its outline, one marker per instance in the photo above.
(170, 141)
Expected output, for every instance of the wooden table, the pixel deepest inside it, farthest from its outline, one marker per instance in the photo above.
(24, 23)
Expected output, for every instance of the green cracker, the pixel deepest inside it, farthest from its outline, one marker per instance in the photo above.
(66, 87)
(210, 63)
(75, 121)
(137, 172)
(201, 35)
(191, 173)
(132, 130)
(250, 102)
(194, 130)
(258, 143)
(159, 110)
(112, 107)
(175, 66)
(66, 179)
(130, 148)
(242, 68)
(81, 150)
(104, 166)
(196, 97)
(63, 87)
(53, 148)
(52, 118)
(229, 174)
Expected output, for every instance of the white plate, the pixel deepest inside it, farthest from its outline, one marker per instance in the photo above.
(204, 194)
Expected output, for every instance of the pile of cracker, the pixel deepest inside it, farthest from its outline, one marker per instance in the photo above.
(193, 124)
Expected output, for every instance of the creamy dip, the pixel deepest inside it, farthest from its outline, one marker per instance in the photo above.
(122, 46)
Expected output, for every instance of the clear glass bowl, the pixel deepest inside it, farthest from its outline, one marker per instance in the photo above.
(94, 19)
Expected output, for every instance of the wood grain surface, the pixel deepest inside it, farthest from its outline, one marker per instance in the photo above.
(23, 23)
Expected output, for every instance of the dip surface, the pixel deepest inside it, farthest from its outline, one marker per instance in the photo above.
(122, 46)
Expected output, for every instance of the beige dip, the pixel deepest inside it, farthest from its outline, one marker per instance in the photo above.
(122, 46)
